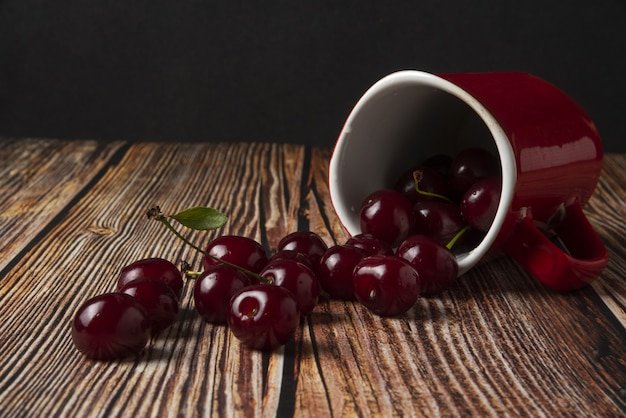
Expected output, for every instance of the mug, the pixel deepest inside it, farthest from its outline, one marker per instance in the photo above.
(549, 150)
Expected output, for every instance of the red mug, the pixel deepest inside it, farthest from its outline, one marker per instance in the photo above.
(549, 150)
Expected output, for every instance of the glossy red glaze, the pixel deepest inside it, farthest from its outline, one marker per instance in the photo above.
(558, 160)
(557, 147)
(555, 267)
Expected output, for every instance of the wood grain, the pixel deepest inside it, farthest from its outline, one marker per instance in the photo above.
(607, 211)
(31, 172)
(497, 344)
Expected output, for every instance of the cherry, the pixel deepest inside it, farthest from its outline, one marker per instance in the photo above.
(263, 316)
(335, 270)
(111, 326)
(305, 242)
(469, 166)
(291, 255)
(439, 220)
(371, 244)
(439, 162)
(480, 203)
(157, 298)
(436, 265)
(386, 214)
(240, 251)
(386, 284)
(157, 268)
(213, 290)
(296, 278)
(431, 184)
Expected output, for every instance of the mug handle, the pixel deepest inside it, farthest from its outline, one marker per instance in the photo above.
(574, 267)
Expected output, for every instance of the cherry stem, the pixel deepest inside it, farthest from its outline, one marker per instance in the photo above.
(189, 273)
(417, 177)
(454, 239)
(156, 214)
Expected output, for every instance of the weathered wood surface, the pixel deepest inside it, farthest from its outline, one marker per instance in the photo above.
(31, 172)
(497, 344)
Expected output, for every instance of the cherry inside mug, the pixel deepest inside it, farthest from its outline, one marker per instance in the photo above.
(549, 150)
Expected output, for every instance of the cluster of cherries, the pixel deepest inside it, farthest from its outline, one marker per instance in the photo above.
(441, 198)
(403, 252)
(120, 324)
(442, 202)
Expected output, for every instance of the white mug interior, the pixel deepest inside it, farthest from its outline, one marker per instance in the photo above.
(401, 120)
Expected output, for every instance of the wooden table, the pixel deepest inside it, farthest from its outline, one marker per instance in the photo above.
(72, 214)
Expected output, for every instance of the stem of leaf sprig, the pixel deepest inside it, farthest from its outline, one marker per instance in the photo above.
(156, 214)
(200, 219)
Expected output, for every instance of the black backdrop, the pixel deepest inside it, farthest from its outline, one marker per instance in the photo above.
(285, 71)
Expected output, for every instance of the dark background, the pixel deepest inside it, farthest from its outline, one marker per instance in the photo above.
(284, 71)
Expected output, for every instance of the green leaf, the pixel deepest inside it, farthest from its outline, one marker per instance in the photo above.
(201, 218)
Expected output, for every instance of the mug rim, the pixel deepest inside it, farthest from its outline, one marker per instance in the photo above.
(503, 145)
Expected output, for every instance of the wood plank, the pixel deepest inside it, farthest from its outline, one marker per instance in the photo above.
(496, 344)
(38, 178)
(607, 212)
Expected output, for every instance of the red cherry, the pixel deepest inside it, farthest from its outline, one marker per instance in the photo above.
(386, 284)
(335, 270)
(480, 203)
(213, 290)
(159, 300)
(439, 162)
(110, 326)
(240, 251)
(469, 166)
(263, 316)
(436, 265)
(386, 214)
(439, 220)
(305, 242)
(296, 278)
(371, 244)
(157, 268)
(432, 185)
(291, 255)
